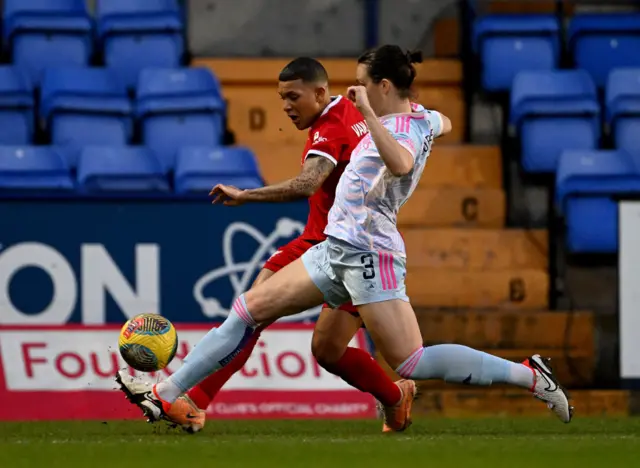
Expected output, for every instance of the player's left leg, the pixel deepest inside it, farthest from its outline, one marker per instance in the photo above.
(330, 346)
(288, 292)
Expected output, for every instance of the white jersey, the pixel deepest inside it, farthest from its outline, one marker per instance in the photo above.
(368, 196)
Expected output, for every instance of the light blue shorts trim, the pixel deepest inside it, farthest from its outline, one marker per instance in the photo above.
(344, 273)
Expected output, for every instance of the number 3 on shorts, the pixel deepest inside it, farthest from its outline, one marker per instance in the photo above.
(369, 270)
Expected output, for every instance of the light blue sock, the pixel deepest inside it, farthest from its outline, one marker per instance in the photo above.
(214, 351)
(461, 364)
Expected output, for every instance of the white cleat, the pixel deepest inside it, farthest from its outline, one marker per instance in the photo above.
(140, 393)
(547, 388)
(183, 412)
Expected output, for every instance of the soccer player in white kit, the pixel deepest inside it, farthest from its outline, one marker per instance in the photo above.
(363, 259)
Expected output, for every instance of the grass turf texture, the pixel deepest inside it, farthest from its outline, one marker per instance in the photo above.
(440, 443)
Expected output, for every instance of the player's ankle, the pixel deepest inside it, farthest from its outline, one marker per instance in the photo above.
(166, 391)
(401, 396)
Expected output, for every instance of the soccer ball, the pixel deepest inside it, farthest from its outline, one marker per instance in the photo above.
(148, 342)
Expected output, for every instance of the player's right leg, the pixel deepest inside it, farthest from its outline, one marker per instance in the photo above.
(288, 292)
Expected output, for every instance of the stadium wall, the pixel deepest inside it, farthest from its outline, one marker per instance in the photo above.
(75, 269)
(329, 28)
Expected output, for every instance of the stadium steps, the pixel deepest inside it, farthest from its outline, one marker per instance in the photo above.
(449, 166)
(255, 111)
(566, 337)
(491, 402)
(460, 255)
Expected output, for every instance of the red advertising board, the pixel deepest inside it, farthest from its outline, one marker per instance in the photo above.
(66, 372)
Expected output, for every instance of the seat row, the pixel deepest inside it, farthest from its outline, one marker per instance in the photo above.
(554, 111)
(126, 169)
(88, 106)
(129, 35)
(598, 43)
(587, 183)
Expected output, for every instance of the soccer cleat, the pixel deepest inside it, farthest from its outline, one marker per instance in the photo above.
(183, 412)
(547, 388)
(397, 418)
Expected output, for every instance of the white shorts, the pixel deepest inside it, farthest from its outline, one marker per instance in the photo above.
(344, 273)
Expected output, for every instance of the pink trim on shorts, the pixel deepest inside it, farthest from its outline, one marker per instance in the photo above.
(382, 270)
(387, 273)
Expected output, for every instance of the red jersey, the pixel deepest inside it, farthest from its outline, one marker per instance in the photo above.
(334, 135)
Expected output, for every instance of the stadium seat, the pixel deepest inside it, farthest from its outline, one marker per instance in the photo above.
(585, 184)
(118, 169)
(552, 112)
(16, 107)
(602, 42)
(43, 33)
(179, 107)
(34, 168)
(138, 34)
(622, 98)
(85, 106)
(198, 169)
(508, 44)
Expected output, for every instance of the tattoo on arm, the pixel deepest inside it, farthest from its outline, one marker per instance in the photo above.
(315, 171)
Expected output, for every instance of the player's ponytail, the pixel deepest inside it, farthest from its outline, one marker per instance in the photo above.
(390, 62)
(414, 56)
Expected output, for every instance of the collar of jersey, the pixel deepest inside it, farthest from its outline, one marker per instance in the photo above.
(334, 100)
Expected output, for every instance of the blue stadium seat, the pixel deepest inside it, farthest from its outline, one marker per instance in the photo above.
(508, 44)
(622, 98)
(177, 108)
(117, 169)
(552, 112)
(16, 107)
(585, 184)
(85, 106)
(602, 42)
(33, 168)
(138, 34)
(198, 169)
(44, 33)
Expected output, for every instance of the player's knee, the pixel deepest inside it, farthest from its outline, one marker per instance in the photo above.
(258, 304)
(325, 351)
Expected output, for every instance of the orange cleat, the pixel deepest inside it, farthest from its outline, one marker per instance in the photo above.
(397, 418)
(183, 412)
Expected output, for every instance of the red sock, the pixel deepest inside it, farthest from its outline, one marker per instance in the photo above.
(360, 370)
(204, 393)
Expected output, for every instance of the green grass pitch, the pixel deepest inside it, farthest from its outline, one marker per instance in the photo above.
(438, 443)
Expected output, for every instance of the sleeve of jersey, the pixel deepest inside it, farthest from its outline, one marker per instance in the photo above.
(435, 119)
(327, 143)
(401, 131)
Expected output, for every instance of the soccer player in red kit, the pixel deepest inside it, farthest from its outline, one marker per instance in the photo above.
(335, 128)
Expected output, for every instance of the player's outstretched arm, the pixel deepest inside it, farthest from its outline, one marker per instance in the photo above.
(315, 171)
